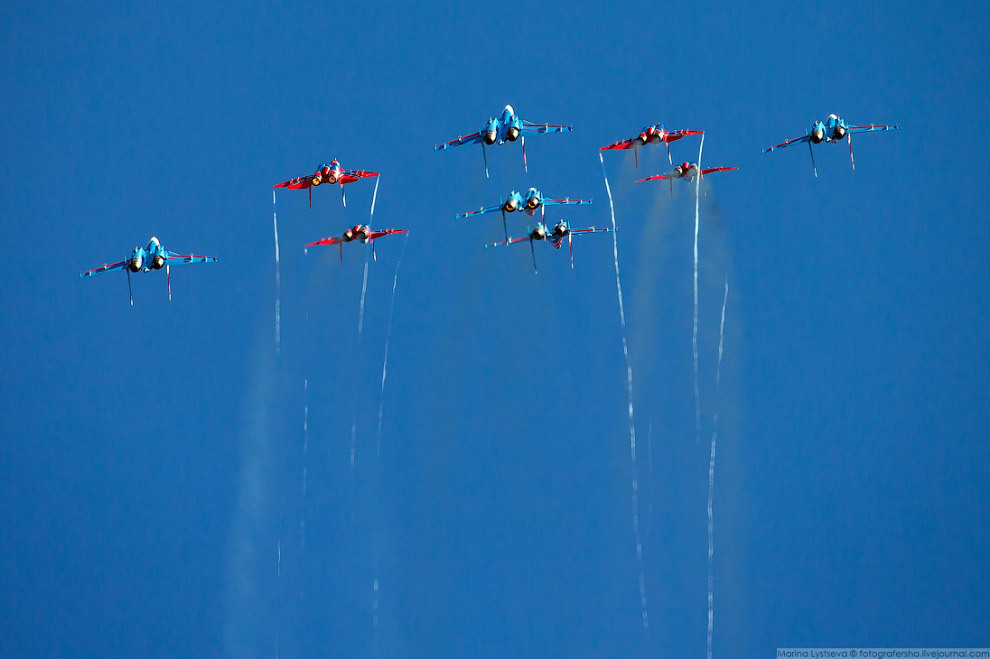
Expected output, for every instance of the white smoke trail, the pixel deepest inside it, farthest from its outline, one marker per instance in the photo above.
(649, 466)
(305, 470)
(278, 590)
(694, 334)
(278, 333)
(632, 425)
(374, 196)
(364, 290)
(711, 476)
(375, 609)
(388, 336)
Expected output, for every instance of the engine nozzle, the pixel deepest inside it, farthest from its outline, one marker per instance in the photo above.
(489, 137)
(539, 233)
(817, 135)
(839, 132)
(317, 180)
(135, 264)
(512, 134)
(511, 205)
(560, 230)
(158, 262)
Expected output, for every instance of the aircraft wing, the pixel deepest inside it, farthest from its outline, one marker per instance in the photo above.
(705, 172)
(386, 232)
(871, 128)
(546, 128)
(591, 230)
(796, 140)
(298, 183)
(678, 134)
(473, 138)
(480, 211)
(557, 241)
(355, 175)
(333, 240)
(510, 241)
(105, 268)
(655, 178)
(173, 257)
(565, 202)
(621, 144)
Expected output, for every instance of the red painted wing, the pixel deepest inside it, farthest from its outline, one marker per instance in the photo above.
(386, 232)
(326, 241)
(299, 183)
(717, 169)
(621, 144)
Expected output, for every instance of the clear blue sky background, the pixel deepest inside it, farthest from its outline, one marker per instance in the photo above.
(152, 457)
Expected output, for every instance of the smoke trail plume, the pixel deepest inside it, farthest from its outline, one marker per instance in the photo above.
(711, 476)
(364, 290)
(388, 337)
(374, 197)
(278, 333)
(632, 425)
(694, 334)
(305, 470)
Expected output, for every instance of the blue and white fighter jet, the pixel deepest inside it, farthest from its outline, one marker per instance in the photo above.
(146, 259)
(833, 129)
(529, 202)
(555, 238)
(507, 127)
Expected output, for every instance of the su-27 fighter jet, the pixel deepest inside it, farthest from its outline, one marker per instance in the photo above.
(330, 174)
(361, 232)
(833, 129)
(686, 171)
(507, 127)
(654, 134)
(529, 202)
(555, 238)
(146, 259)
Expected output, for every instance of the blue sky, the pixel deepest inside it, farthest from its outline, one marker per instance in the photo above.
(153, 456)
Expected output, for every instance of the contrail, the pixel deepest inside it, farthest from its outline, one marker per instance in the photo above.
(711, 474)
(364, 290)
(374, 196)
(649, 465)
(278, 589)
(278, 333)
(632, 425)
(302, 522)
(694, 335)
(388, 336)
